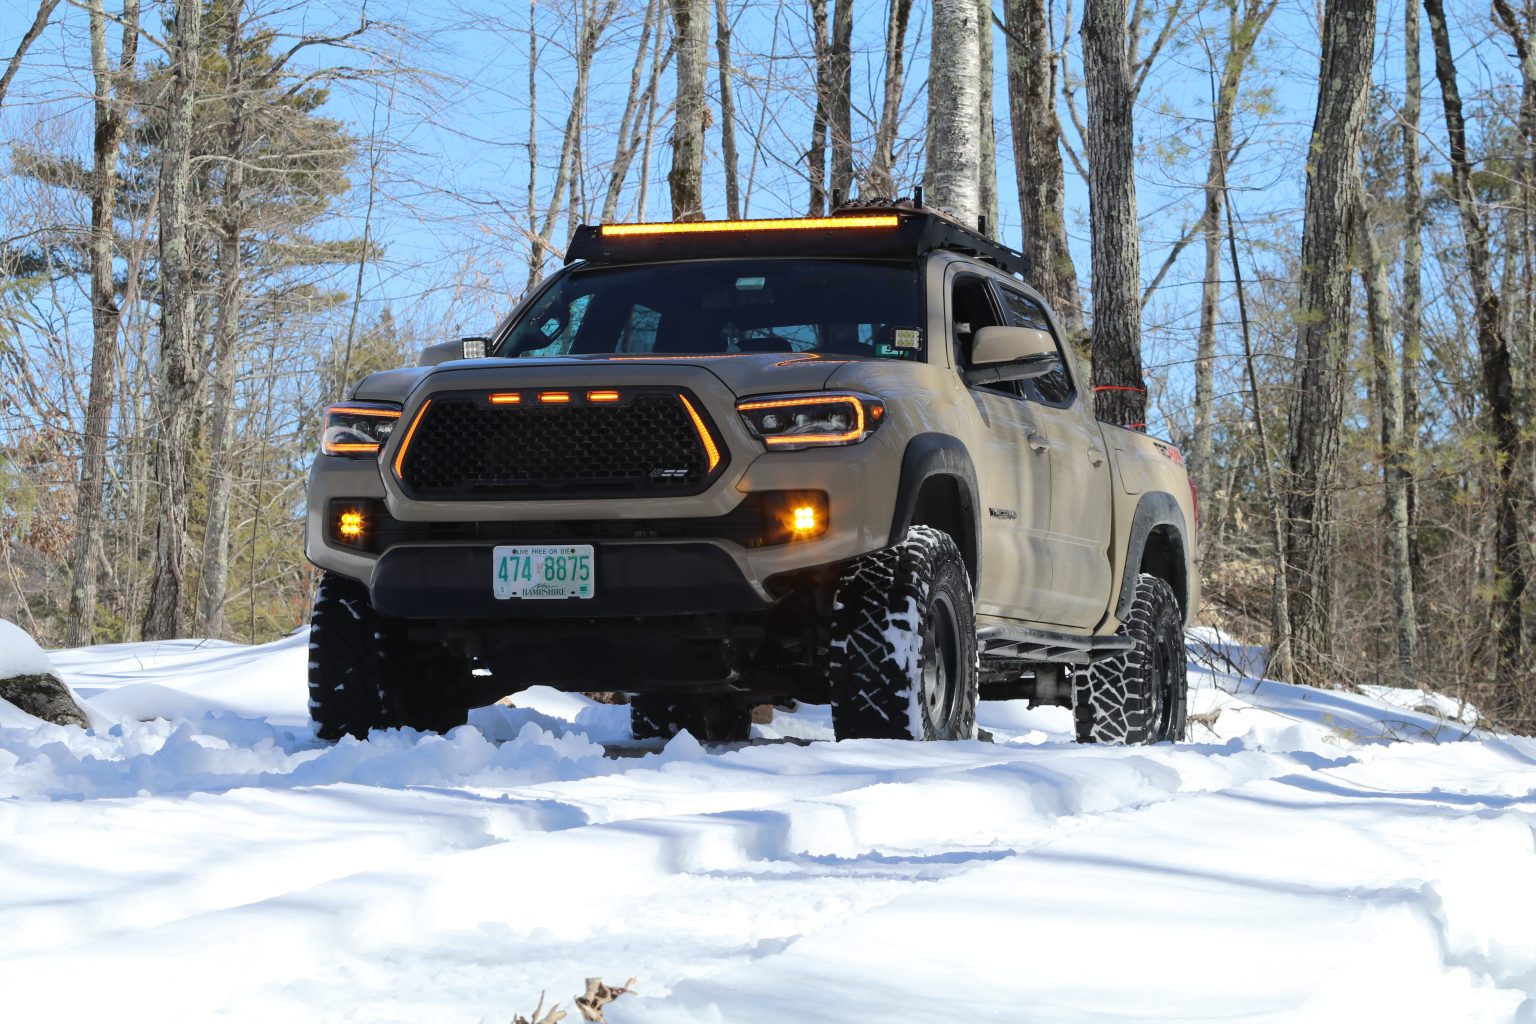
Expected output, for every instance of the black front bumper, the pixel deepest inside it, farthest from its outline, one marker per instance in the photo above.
(633, 580)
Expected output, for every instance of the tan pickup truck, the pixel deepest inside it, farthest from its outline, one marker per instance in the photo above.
(718, 464)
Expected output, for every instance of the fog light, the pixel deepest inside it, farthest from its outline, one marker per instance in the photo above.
(796, 515)
(350, 525)
(805, 519)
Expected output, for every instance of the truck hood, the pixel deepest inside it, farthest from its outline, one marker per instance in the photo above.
(742, 374)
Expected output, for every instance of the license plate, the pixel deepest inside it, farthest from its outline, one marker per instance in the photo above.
(543, 572)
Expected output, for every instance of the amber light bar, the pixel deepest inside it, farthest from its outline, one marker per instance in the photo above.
(554, 397)
(602, 396)
(702, 227)
(698, 424)
(509, 398)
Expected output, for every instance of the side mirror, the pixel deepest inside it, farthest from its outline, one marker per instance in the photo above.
(1011, 353)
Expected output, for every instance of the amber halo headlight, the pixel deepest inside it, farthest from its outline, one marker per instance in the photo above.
(358, 429)
(818, 420)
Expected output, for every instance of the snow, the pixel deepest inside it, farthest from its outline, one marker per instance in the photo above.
(1307, 856)
(19, 653)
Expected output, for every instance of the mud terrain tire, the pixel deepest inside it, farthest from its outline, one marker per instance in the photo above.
(903, 655)
(364, 674)
(708, 717)
(1140, 695)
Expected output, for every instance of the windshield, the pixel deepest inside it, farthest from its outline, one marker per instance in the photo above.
(726, 306)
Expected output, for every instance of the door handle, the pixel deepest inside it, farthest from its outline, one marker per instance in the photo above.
(1096, 456)
(1038, 442)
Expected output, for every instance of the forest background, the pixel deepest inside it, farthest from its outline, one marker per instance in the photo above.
(1267, 213)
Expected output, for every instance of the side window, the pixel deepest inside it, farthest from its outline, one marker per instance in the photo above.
(972, 310)
(1055, 388)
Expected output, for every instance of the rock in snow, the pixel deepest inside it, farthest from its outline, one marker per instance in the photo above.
(28, 683)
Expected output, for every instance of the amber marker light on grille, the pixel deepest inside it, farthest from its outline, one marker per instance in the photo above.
(508, 398)
(602, 396)
(704, 227)
(698, 424)
(406, 443)
(554, 397)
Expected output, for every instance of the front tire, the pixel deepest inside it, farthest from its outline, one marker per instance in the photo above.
(903, 655)
(1141, 695)
(365, 674)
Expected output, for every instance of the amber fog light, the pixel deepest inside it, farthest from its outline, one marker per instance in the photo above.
(349, 523)
(797, 515)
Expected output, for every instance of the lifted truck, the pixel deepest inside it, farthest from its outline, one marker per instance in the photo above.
(844, 460)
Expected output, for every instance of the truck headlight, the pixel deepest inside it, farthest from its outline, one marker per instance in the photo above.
(811, 421)
(358, 429)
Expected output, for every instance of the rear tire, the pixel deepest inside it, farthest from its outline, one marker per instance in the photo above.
(365, 674)
(1141, 695)
(903, 655)
(708, 717)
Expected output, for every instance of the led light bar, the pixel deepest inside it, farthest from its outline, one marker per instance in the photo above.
(702, 227)
(698, 424)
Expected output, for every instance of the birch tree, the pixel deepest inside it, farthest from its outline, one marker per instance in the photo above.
(954, 111)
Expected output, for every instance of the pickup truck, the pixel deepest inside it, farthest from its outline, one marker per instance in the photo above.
(710, 465)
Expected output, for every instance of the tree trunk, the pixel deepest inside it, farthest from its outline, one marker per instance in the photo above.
(1412, 288)
(177, 384)
(1322, 341)
(954, 111)
(1242, 33)
(1120, 392)
(1037, 161)
(987, 164)
(1389, 400)
(840, 99)
(881, 177)
(226, 333)
(686, 178)
(1510, 674)
(86, 554)
(727, 109)
(816, 156)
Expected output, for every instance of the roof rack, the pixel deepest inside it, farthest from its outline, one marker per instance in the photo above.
(871, 228)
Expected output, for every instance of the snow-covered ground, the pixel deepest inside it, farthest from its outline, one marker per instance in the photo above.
(1308, 856)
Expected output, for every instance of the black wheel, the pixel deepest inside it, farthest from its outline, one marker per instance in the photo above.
(365, 674)
(708, 717)
(1140, 695)
(903, 659)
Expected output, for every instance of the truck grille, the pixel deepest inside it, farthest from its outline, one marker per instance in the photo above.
(646, 443)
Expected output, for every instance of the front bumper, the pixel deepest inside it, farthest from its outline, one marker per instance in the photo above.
(637, 576)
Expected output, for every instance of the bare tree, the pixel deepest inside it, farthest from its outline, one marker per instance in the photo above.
(880, 179)
(1120, 391)
(1413, 284)
(111, 114)
(40, 22)
(1389, 406)
(1322, 340)
(987, 166)
(840, 96)
(727, 105)
(179, 374)
(1497, 384)
(686, 178)
(1032, 65)
(816, 155)
(954, 111)
(1245, 21)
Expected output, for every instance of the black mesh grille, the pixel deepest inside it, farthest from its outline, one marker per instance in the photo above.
(465, 448)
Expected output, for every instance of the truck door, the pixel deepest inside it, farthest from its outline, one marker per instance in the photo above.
(1080, 501)
(1015, 480)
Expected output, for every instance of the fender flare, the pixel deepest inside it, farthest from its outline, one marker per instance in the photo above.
(1154, 510)
(938, 455)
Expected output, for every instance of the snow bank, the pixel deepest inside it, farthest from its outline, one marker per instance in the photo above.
(19, 653)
